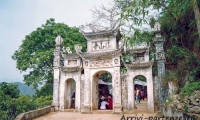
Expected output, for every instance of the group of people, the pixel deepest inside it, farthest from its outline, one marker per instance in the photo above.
(139, 95)
(106, 103)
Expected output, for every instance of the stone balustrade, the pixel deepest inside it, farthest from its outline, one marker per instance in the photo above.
(35, 113)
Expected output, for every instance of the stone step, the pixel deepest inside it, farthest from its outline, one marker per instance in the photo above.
(102, 111)
(69, 110)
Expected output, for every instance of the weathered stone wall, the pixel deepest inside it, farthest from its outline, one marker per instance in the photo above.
(35, 113)
(170, 113)
(190, 104)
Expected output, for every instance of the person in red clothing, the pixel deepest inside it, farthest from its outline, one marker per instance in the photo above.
(110, 102)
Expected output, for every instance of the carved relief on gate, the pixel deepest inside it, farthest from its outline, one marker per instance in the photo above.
(105, 45)
(72, 62)
(101, 63)
(117, 86)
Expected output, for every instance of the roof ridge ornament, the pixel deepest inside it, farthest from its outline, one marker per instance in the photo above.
(68, 50)
(59, 40)
(88, 28)
(78, 48)
(157, 27)
(92, 28)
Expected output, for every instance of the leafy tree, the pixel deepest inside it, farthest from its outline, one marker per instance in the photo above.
(46, 90)
(43, 101)
(9, 89)
(190, 88)
(35, 55)
(4, 105)
(141, 78)
(180, 27)
(106, 77)
(22, 104)
(11, 107)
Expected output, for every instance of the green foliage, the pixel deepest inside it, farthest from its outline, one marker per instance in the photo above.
(141, 78)
(138, 36)
(44, 101)
(168, 101)
(123, 69)
(106, 77)
(189, 89)
(35, 54)
(46, 90)
(126, 58)
(185, 107)
(11, 106)
(171, 76)
(176, 53)
(9, 89)
(179, 28)
(24, 103)
(5, 101)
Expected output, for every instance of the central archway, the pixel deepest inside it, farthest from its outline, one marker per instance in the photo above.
(102, 88)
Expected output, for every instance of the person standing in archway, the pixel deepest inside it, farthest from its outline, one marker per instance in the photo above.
(103, 104)
(143, 94)
(73, 101)
(110, 102)
(137, 95)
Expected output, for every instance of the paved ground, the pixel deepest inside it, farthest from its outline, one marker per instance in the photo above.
(141, 113)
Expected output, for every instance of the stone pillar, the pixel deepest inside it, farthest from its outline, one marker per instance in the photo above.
(57, 65)
(125, 92)
(160, 59)
(150, 86)
(78, 90)
(56, 88)
(63, 100)
(87, 93)
(117, 105)
(131, 96)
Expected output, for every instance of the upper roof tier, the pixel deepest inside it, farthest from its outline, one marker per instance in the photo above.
(101, 41)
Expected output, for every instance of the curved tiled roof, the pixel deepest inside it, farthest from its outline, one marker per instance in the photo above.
(103, 55)
(100, 55)
(106, 32)
(139, 50)
(139, 65)
(71, 56)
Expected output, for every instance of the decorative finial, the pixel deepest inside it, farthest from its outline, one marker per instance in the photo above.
(59, 40)
(88, 28)
(68, 50)
(157, 26)
(78, 48)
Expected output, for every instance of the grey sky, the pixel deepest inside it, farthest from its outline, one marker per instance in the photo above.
(21, 17)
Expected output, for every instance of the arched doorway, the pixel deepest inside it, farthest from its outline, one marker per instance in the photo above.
(140, 92)
(70, 94)
(102, 89)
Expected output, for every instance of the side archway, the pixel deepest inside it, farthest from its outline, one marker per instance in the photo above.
(140, 91)
(146, 73)
(70, 94)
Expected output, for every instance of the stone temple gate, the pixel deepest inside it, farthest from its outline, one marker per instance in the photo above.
(78, 72)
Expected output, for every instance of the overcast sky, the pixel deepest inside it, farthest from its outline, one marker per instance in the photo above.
(20, 17)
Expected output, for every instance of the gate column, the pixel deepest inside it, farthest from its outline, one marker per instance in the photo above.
(117, 106)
